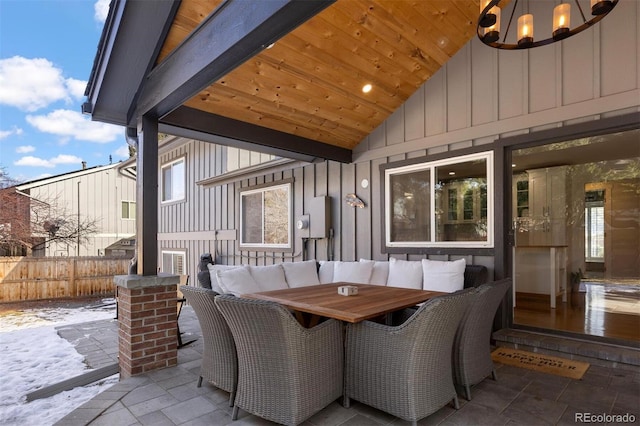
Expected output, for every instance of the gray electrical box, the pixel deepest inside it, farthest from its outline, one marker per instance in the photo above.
(319, 217)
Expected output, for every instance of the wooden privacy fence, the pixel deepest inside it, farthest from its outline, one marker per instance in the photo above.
(37, 278)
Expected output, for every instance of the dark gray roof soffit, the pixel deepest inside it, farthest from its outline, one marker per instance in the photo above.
(129, 45)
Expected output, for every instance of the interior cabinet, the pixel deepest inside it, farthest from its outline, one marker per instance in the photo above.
(540, 221)
(540, 270)
(464, 202)
(547, 206)
(520, 195)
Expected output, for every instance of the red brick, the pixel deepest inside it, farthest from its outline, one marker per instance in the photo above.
(143, 360)
(147, 329)
(155, 335)
(137, 307)
(168, 357)
(154, 305)
(143, 345)
(167, 325)
(158, 319)
(143, 314)
(156, 350)
(142, 330)
(168, 311)
(172, 340)
(138, 297)
(137, 370)
(167, 296)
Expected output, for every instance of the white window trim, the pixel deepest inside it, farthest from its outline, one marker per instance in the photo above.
(432, 165)
(262, 190)
(184, 180)
(182, 253)
(128, 202)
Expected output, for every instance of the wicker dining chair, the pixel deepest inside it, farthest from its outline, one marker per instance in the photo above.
(286, 373)
(472, 349)
(405, 370)
(219, 358)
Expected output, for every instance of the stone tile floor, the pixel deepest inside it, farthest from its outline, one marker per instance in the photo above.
(170, 396)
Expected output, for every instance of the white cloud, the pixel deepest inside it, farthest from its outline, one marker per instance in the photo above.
(123, 151)
(31, 161)
(67, 123)
(25, 149)
(101, 9)
(66, 159)
(14, 131)
(76, 87)
(31, 84)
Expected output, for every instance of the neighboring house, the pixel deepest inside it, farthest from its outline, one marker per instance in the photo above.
(100, 194)
(526, 162)
(125, 247)
(15, 227)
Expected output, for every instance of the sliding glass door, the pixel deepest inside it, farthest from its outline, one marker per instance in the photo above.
(576, 221)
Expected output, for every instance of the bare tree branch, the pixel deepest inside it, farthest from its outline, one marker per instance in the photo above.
(30, 223)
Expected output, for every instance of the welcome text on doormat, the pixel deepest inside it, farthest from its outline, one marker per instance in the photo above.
(540, 362)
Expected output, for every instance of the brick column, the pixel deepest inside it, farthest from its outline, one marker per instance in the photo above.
(147, 322)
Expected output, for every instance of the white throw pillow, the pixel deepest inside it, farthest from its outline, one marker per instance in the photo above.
(215, 285)
(301, 274)
(270, 277)
(380, 273)
(446, 276)
(405, 273)
(325, 274)
(237, 281)
(353, 272)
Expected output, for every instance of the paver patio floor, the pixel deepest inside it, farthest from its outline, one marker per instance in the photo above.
(170, 396)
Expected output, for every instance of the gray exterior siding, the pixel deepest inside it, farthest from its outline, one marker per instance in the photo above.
(98, 193)
(479, 98)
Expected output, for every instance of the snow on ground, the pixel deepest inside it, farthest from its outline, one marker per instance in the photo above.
(34, 356)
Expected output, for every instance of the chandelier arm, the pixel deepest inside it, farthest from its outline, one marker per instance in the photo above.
(513, 11)
(584, 19)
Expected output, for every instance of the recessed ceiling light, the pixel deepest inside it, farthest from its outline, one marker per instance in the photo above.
(366, 88)
(452, 173)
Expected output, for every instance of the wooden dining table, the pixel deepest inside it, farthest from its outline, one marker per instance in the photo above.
(323, 300)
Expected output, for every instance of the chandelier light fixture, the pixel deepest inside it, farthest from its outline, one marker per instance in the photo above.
(489, 21)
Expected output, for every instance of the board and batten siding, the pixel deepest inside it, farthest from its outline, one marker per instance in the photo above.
(479, 97)
(99, 194)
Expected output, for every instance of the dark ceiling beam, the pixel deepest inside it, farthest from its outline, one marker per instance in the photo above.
(184, 121)
(232, 34)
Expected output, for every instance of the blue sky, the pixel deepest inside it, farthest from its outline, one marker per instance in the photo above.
(47, 49)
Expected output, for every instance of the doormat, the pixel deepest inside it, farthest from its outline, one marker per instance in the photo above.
(540, 362)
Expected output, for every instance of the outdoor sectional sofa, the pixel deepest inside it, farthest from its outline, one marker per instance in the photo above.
(446, 276)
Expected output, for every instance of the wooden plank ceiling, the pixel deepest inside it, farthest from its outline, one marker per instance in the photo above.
(309, 83)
